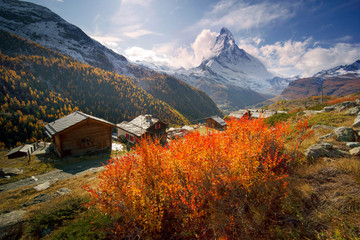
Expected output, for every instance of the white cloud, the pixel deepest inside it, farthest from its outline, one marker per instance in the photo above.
(175, 56)
(304, 58)
(317, 59)
(108, 41)
(242, 16)
(141, 54)
(202, 45)
(138, 33)
(138, 2)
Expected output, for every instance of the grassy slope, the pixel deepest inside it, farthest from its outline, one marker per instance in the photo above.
(323, 200)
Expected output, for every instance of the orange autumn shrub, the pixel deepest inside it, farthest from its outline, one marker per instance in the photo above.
(342, 99)
(219, 185)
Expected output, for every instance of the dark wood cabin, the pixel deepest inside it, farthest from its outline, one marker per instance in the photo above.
(79, 133)
(142, 126)
(216, 123)
(21, 151)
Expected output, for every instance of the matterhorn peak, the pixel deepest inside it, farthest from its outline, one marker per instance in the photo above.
(223, 41)
(225, 31)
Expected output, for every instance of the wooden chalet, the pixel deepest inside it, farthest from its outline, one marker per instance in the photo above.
(79, 133)
(216, 123)
(142, 126)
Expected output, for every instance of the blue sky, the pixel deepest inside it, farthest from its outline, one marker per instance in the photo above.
(298, 37)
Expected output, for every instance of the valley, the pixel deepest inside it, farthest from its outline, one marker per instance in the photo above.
(128, 120)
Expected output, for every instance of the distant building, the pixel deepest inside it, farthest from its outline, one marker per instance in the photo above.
(79, 133)
(142, 126)
(21, 151)
(216, 123)
(252, 113)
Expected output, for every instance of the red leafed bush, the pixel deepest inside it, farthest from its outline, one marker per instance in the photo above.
(217, 185)
(341, 99)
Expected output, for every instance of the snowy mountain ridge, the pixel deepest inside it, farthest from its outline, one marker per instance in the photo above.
(46, 28)
(231, 65)
(353, 68)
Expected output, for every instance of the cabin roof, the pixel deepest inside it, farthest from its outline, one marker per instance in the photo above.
(63, 123)
(138, 125)
(219, 120)
(23, 148)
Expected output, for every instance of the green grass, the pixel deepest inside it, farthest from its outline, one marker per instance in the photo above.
(69, 219)
(280, 117)
(331, 119)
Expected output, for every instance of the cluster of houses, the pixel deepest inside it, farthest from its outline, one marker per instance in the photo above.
(79, 133)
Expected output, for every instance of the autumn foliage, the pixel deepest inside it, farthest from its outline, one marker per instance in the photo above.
(342, 99)
(217, 185)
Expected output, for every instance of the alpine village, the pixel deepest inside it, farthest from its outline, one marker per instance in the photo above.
(98, 145)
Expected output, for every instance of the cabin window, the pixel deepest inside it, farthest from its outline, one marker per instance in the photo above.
(132, 138)
(127, 136)
(85, 141)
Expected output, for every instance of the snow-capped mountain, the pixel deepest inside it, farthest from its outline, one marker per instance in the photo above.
(232, 77)
(46, 28)
(231, 65)
(353, 68)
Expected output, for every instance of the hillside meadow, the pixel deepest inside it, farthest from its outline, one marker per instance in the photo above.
(251, 181)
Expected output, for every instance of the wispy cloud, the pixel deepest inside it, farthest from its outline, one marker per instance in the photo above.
(139, 32)
(174, 56)
(241, 16)
(304, 58)
(108, 41)
(138, 2)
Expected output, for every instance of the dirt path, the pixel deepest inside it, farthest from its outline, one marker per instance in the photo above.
(57, 174)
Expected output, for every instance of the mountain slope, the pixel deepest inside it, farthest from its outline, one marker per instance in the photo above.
(353, 68)
(41, 89)
(189, 101)
(44, 27)
(338, 81)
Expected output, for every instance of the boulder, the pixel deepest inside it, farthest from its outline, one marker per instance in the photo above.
(43, 186)
(356, 122)
(10, 224)
(344, 105)
(312, 112)
(61, 192)
(345, 134)
(38, 199)
(329, 109)
(355, 151)
(327, 136)
(352, 144)
(353, 111)
(320, 150)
